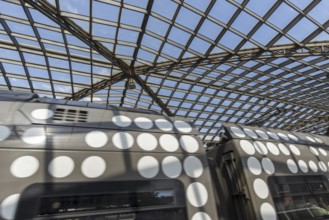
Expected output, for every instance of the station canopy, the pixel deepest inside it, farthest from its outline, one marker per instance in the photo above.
(251, 62)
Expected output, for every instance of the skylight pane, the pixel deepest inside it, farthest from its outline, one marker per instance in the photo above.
(230, 40)
(132, 18)
(179, 36)
(264, 34)
(222, 11)
(105, 11)
(165, 8)
(20, 28)
(14, 10)
(75, 7)
(260, 9)
(210, 29)
(320, 12)
(157, 26)
(244, 23)
(302, 29)
(192, 20)
(282, 21)
(127, 35)
(105, 31)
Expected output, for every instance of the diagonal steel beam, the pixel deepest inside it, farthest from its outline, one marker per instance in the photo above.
(51, 12)
(312, 49)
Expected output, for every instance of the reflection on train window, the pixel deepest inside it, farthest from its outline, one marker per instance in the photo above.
(300, 197)
(104, 200)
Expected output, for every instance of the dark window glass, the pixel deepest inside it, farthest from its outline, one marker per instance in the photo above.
(300, 197)
(156, 199)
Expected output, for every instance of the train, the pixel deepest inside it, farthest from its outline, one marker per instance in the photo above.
(63, 159)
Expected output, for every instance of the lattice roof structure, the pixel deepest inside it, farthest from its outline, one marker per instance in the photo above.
(261, 63)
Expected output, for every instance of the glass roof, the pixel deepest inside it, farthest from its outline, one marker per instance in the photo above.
(209, 61)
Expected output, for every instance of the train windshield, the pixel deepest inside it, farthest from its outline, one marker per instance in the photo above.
(300, 197)
(122, 200)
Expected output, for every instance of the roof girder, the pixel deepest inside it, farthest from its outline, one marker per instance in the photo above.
(50, 11)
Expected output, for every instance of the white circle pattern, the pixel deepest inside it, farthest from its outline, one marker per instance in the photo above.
(34, 136)
(267, 212)
(164, 124)
(238, 132)
(123, 140)
(310, 139)
(24, 166)
(96, 139)
(171, 166)
(323, 152)
(284, 149)
(294, 149)
(193, 167)
(313, 166)
(93, 166)
(121, 120)
(197, 194)
(4, 133)
(272, 148)
(293, 137)
(247, 147)
(254, 166)
(147, 141)
(8, 206)
(260, 147)
(292, 166)
(314, 151)
(182, 126)
(250, 133)
(323, 166)
(268, 166)
(42, 114)
(283, 136)
(260, 188)
(201, 216)
(273, 135)
(303, 166)
(143, 123)
(61, 166)
(148, 166)
(262, 134)
(189, 143)
(169, 142)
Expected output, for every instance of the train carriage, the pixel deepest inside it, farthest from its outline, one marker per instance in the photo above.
(75, 160)
(270, 174)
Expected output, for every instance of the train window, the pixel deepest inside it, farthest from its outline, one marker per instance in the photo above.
(300, 197)
(153, 199)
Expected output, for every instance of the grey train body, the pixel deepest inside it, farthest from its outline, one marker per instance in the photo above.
(75, 160)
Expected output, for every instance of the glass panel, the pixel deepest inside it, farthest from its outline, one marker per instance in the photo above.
(300, 197)
(260, 9)
(179, 36)
(302, 29)
(76, 7)
(264, 34)
(210, 29)
(165, 8)
(20, 28)
(105, 11)
(222, 11)
(192, 20)
(282, 21)
(132, 18)
(244, 23)
(12, 10)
